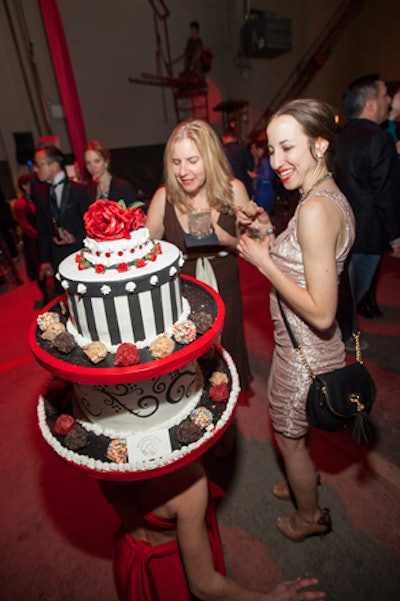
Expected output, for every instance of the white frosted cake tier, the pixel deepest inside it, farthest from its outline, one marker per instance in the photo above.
(132, 306)
(149, 452)
(138, 407)
(111, 253)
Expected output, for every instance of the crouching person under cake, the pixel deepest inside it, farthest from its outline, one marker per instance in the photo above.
(168, 547)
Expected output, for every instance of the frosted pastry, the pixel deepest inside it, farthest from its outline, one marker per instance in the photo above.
(184, 331)
(218, 377)
(64, 342)
(127, 354)
(162, 346)
(52, 330)
(45, 319)
(250, 208)
(96, 351)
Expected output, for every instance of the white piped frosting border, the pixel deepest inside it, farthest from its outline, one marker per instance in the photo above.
(143, 466)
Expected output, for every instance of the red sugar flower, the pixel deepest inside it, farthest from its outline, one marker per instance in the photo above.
(99, 268)
(141, 263)
(122, 267)
(107, 220)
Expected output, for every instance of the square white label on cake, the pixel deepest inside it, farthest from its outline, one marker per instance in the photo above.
(149, 446)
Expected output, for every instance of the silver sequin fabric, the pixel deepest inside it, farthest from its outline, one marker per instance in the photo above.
(289, 380)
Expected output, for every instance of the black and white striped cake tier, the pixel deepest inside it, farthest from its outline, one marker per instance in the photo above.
(134, 306)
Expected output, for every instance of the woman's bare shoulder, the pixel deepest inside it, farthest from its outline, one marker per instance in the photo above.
(240, 196)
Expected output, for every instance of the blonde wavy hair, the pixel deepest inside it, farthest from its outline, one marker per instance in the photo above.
(217, 168)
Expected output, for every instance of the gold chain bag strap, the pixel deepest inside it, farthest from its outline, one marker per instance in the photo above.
(339, 398)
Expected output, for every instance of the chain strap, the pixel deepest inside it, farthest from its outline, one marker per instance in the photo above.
(304, 362)
(356, 335)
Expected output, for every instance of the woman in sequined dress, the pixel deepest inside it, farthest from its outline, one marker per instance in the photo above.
(303, 265)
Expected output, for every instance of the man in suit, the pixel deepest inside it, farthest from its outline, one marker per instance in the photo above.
(60, 206)
(367, 173)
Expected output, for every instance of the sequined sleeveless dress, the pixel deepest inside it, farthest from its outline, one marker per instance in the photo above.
(289, 380)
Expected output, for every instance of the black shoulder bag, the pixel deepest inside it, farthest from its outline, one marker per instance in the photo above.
(339, 398)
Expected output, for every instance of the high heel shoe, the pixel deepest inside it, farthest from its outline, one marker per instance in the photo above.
(281, 489)
(297, 534)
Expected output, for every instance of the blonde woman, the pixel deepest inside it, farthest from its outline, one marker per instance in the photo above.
(198, 177)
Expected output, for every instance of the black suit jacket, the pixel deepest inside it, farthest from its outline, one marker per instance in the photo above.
(367, 172)
(74, 204)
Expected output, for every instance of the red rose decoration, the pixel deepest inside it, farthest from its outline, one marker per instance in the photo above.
(141, 263)
(152, 256)
(99, 268)
(137, 217)
(219, 392)
(108, 220)
(122, 267)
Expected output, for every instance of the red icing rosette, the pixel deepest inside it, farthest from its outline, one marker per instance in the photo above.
(127, 354)
(64, 424)
(219, 393)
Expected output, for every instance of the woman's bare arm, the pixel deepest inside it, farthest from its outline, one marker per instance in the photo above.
(319, 227)
(204, 581)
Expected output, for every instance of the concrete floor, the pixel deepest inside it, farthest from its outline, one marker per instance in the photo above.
(56, 529)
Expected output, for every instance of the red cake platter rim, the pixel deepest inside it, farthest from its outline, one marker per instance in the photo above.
(145, 474)
(146, 469)
(142, 371)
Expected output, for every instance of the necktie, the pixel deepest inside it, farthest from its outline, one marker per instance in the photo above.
(54, 207)
(53, 195)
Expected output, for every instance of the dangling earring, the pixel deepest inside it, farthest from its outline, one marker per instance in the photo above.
(320, 155)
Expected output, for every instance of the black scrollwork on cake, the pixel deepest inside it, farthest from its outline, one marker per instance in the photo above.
(147, 406)
(180, 387)
(114, 398)
(159, 385)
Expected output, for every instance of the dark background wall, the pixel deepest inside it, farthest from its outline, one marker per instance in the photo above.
(112, 41)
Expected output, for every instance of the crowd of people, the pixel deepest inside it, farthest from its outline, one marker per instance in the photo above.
(347, 217)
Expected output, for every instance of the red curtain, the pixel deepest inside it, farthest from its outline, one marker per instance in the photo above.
(65, 78)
